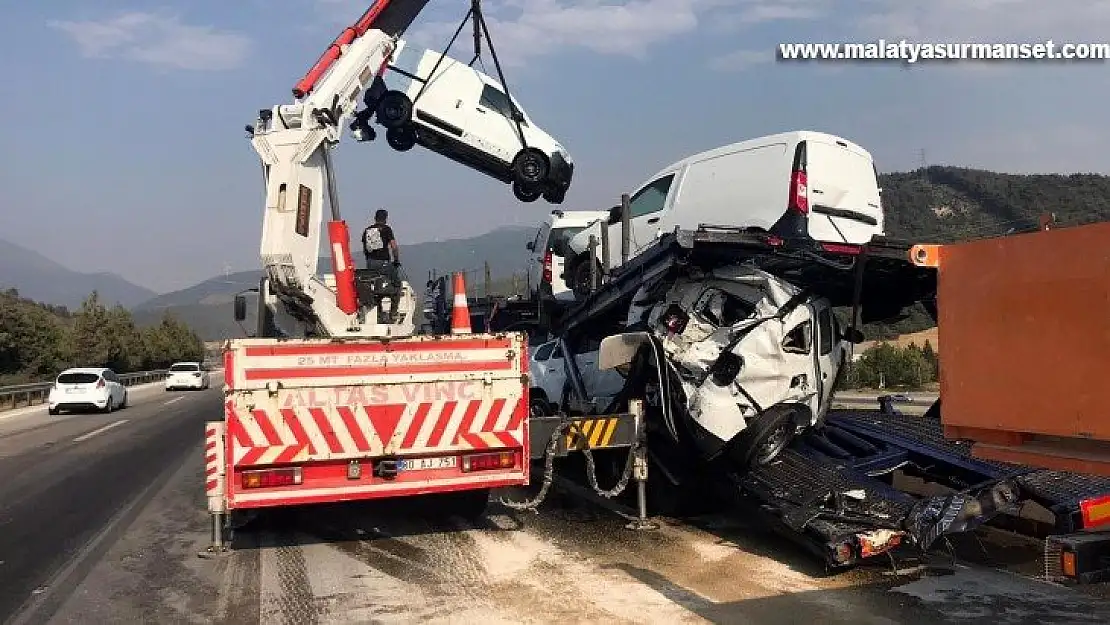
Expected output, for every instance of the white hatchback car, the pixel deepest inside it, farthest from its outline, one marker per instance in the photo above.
(187, 375)
(467, 116)
(549, 378)
(87, 388)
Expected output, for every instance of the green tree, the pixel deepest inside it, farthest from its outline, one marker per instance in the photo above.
(931, 356)
(91, 340)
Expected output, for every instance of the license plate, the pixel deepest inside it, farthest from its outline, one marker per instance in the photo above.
(73, 390)
(422, 464)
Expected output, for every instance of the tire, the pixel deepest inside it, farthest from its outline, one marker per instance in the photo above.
(52, 411)
(471, 504)
(394, 109)
(538, 407)
(554, 197)
(108, 407)
(526, 193)
(401, 138)
(123, 404)
(765, 437)
(530, 166)
(580, 277)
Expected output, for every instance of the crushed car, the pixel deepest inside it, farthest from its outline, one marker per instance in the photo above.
(756, 359)
(430, 99)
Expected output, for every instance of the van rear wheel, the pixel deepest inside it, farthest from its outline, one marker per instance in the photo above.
(394, 109)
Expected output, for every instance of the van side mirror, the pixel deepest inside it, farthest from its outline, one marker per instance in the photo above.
(531, 246)
(240, 307)
(615, 215)
(853, 335)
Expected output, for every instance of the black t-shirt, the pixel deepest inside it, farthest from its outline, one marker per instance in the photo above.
(376, 240)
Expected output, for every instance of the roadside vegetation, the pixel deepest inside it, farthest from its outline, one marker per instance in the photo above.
(889, 366)
(38, 340)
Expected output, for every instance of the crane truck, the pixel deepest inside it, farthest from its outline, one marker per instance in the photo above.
(328, 402)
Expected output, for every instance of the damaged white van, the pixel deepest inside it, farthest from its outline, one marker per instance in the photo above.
(796, 185)
(433, 100)
(756, 358)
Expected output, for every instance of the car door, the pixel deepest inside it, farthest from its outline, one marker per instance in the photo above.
(547, 371)
(494, 124)
(115, 389)
(645, 209)
(829, 354)
(798, 350)
(443, 100)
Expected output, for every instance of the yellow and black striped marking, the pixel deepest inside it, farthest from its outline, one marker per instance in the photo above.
(594, 433)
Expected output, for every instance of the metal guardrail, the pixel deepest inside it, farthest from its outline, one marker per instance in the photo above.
(910, 399)
(21, 395)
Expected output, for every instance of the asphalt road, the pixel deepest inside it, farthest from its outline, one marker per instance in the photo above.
(109, 528)
(66, 478)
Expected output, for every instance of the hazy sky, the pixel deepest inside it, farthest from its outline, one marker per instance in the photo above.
(123, 147)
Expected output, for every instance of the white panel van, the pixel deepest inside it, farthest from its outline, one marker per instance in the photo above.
(795, 185)
(430, 99)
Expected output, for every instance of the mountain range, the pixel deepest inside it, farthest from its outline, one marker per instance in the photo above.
(37, 277)
(936, 204)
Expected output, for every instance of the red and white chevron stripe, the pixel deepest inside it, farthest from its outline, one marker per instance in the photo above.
(263, 436)
(213, 464)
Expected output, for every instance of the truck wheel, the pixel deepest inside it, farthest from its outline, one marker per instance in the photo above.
(394, 109)
(401, 138)
(765, 437)
(470, 504)
(530, 166)
(526, 192)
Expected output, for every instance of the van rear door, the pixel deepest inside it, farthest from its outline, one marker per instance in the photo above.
(844, 203)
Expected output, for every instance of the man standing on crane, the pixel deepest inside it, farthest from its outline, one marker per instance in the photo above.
(382, 254)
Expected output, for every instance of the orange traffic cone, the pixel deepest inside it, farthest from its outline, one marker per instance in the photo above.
(460, 312)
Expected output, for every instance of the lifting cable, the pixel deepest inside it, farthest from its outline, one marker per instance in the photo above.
(481, 31)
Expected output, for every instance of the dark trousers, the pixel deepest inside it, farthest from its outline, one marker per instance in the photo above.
(389, 271)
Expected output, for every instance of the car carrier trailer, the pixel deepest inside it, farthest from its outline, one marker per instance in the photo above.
(833, 490)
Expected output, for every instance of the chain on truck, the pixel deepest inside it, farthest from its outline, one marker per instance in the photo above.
(326, 404)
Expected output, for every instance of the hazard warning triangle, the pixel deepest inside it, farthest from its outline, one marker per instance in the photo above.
(385, 420)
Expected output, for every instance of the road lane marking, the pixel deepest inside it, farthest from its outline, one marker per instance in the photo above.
(175, 399)
(85, 437)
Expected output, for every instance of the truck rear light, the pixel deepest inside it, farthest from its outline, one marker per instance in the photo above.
(547, 267)
(1067, 564)
(270, 478)
(799, 193)
(1096, 512)
(842, 248)
(486, 462)
(675, 319)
